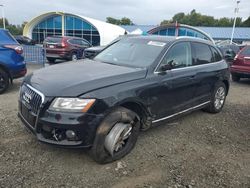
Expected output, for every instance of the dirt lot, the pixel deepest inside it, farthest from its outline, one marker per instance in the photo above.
(199, 150)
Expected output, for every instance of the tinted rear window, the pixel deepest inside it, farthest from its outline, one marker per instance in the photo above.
(216, 55)
(246, 51)
(202, 53)
(53, 40)
(6, 38)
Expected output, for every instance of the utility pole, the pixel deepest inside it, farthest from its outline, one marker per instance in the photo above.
(3, 15)
(235, 18)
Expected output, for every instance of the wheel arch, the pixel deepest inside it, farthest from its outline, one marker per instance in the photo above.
(140, 109)
(4, 68)
(226, 82)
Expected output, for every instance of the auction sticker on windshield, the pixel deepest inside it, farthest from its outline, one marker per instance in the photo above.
(156, 43)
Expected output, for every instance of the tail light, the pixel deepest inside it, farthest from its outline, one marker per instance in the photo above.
(17, 48)
(64, 44)
(235, 57)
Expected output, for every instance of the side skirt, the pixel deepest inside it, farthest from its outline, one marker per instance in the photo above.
(182, 112)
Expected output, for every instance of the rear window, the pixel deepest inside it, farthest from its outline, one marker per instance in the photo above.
(245, 51)
(6, 38)
(203, 54)
(216, 55)
(53, 40)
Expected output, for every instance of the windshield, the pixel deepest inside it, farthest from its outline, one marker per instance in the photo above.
(133, 52)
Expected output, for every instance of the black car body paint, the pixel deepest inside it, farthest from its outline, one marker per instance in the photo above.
(159, 95)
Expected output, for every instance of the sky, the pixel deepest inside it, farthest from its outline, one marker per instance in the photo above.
(148, 12)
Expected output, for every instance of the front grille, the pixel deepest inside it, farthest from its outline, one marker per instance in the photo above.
(31, 98)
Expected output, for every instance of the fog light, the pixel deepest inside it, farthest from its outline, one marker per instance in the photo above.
(70, 134)
(47, 128)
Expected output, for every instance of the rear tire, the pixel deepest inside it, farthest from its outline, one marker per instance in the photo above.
(120, 115)
(74, 56)
(4, 81)
(235, 78)
(51, 59)
(217, 99)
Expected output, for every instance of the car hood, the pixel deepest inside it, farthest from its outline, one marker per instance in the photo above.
(76, 78)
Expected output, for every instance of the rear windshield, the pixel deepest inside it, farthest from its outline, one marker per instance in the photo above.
(53, 40)
(246, 51)
(6, 38)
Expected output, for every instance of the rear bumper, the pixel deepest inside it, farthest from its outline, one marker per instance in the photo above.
(241, 71)
(19, 70)
(61, 55)
(20, 73)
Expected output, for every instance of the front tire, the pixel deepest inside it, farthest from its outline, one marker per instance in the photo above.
(116, 136)
(4, 81)
(74, 57)
(217, 99)
(51, 60)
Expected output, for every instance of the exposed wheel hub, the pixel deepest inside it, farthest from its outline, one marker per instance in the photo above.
(117, 137)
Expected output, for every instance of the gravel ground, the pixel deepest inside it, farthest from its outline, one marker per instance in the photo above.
(198, 150)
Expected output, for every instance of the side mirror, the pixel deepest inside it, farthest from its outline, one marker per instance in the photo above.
(165, 67)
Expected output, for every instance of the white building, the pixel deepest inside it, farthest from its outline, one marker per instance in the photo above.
(66, 24)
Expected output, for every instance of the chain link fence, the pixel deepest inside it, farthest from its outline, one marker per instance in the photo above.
(34, 54)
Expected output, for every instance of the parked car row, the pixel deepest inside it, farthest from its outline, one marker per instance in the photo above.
(66, 48)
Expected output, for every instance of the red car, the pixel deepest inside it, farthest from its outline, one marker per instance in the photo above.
(66, 48)
(241, 65)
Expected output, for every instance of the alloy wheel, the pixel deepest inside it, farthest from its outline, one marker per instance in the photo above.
(220, 96)
(74, 57)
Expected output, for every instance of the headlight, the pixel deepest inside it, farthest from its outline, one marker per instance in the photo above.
(71, 104)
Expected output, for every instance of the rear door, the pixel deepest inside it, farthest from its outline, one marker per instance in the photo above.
(207, 60)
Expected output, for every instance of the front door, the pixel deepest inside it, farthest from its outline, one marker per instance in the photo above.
(175, 89)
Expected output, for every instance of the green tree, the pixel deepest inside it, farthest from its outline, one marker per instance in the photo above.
(197, 19)
(166, 22)
(1, 22)
(246, 23)
(178, 17)
(126, 21)
(123, 21)
(113, 21)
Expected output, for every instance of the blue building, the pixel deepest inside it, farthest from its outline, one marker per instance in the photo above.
(241, 34)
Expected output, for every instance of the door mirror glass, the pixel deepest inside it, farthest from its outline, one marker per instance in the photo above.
(168, 66)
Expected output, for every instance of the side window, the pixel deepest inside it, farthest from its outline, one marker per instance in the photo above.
(77, 42)
(216, 55)
(178, 56)
(202, 54)
(72, 41)
(84, 43)
(245, 51)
